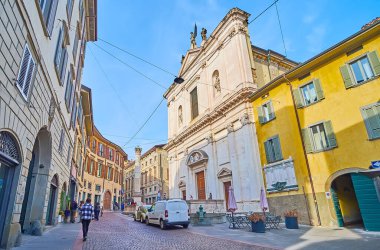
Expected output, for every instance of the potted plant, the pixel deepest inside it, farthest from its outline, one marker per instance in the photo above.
(291, 219)
(257, 222)
(60, 215)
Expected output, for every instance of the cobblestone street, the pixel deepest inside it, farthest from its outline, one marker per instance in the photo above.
(117, 231)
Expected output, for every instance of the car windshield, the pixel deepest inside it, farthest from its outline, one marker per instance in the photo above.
(177, 205)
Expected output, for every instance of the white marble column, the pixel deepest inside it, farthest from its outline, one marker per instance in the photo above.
(137, 176)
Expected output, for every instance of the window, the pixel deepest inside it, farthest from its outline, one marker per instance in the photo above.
(110, 152)
(101, 149)
(84, 184)
(150, 189)
(69, 91)
(109, 173)
(371, 115)
(48, 9)
(89, 185)
(100, 165)
(93, 145)
(61, 141)
(361, 70)
(74, 113)
(76, 42)
(194, 103)
(69, 8)
(155, 188)
(91, 167)
(308, 94)
(98, 188)
(273, 149)
(266, 112)
(319, 137)
(68, 156)
(26, 72)
(60, 58)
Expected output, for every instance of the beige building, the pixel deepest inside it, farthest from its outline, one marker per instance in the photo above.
(99, 163)
(154, 176)
(212, 137)
(41, 61)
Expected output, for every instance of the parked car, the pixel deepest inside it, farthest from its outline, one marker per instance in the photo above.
(141, 212)
(169, 212)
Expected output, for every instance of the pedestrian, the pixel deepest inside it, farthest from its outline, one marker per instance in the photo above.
(87, 214)
(73, 211)
(80, 213)
(101, 212)
(97, 210)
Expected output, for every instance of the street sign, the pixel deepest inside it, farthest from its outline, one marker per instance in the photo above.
(375, 164)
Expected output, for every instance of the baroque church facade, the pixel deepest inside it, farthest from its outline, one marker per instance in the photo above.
(212, 141)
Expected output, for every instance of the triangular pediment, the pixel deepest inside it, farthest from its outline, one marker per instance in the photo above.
(189, 58)
(224, 172)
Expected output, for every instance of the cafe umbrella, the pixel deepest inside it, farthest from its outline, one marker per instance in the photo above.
(232, 206)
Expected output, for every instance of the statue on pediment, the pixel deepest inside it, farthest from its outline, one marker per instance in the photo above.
(204, 34)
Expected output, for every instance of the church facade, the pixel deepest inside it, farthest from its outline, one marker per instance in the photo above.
(212, 137)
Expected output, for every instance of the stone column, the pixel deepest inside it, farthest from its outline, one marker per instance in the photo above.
(137, 177)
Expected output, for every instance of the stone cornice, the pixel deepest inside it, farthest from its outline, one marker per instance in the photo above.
(237, 98)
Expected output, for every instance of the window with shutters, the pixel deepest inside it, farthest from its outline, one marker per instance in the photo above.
(26, 73)
(91, 166)
(69, 8)
(94, 146)
(273, 149)
(61, 55)
(110, 151)
(48, 10)
(266, 112)
(76, 42)
(100, 149)
(194, 103)
(308, 94)
(74, 113)
(61, 141)
(69, 91)
(361, 70)
(371, 115)
(319, 137)
(109, 173)
(98, 188)
(68, 156)
(100, 166)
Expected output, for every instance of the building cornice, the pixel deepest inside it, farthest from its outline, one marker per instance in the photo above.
(240, 96)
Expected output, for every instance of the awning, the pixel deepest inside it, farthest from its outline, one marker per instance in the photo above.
(371, 173)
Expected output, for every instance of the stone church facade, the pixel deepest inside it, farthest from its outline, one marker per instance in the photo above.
(212, 138)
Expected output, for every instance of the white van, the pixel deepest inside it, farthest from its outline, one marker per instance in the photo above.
(168, 213)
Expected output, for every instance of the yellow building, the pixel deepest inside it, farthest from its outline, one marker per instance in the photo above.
(100, 162)
(318, 128)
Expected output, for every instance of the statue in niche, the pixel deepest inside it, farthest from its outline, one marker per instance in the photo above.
(216, 82)
(203, 34)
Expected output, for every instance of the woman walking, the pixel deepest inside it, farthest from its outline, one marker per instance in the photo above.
(87, 214)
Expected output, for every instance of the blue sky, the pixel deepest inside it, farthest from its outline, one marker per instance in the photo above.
(158, 31)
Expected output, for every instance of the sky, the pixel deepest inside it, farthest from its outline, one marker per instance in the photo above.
(159, 32)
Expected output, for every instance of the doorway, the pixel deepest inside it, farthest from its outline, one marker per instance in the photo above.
(107, 200)
(227, 186)
(52, 198)
(201, 185)
(345, 202)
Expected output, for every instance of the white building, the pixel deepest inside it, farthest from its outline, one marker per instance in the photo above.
(212, 139)
(42, 46)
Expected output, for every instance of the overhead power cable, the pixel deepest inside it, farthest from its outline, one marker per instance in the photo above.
(282, 35)
(129, 66)
(264, 11)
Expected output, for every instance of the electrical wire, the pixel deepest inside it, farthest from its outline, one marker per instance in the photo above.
(264, 11)
(282, 35)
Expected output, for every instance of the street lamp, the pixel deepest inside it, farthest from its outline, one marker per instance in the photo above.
(178, 80)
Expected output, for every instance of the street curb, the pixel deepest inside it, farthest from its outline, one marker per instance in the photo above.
(242, 242)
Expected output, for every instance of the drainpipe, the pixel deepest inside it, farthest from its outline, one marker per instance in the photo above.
(304, 152)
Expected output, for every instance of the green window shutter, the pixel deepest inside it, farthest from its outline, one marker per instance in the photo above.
(345, 71)
(297, 98)
(260, 114)
(372, 121)
(330, 134)
(375, 62)
(306, 140)
(267, 151)
(271, 114)
(277, 149)
(318, 89)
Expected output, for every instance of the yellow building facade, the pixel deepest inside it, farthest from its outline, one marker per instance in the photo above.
(318, 128)
(100, 162)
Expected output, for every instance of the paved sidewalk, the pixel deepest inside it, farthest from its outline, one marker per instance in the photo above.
(304, 238)
(62, 236)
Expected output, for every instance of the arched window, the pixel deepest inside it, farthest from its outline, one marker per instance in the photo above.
(180, 116)
(8, 148)
(216, 82)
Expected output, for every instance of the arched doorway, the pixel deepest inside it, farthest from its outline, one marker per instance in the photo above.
(50, 215)
(345, 201)
(37, 181)
(107, 200)
(10, 160)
